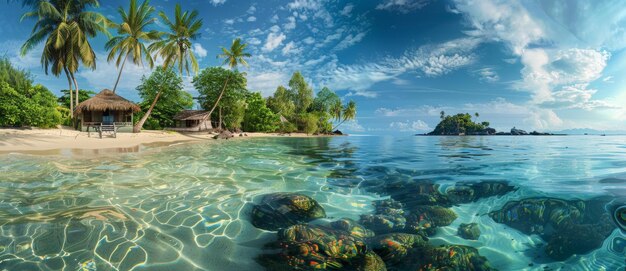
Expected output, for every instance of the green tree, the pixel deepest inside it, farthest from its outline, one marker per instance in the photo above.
(19, 79)
(310, 123)
(175, 49)
(173, 97)
(301, 92)
(233, 57)
(64, 100)
(258, 117)
(37, 107)
(348, 113)
(209, 85)
(282, 103)
(66, 26)
(132, 34)
(458, 124)
(324, 100)
(442, 114)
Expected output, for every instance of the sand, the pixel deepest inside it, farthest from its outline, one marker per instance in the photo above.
(53, 141)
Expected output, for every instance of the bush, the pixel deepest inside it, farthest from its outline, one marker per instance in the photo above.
(258, 117)
(37, 107)
(310, 124)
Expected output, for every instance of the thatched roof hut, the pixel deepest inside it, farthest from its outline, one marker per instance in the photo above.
(192, 115)
(192, 121)
(106, 100)
(106, 108)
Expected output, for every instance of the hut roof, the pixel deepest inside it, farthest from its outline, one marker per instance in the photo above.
(104, 100)
(191, 115)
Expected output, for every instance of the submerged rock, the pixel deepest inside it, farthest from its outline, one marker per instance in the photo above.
(445, 257)
(425, 219)
(388, 217)
(393, 247)
(469, 192)
(312, 247)
(351, 226)
(281, 210)
(469, 231)
(569, 227)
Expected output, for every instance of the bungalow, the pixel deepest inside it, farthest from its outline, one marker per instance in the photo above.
(192, 121)
(106, 108)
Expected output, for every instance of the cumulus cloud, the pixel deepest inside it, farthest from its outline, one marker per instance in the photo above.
(217, 2)
(347, 10)
(408, 126)
(291, 48)
(251, 19)
(199, 51)
(291, 23)
(352, 126)
(273, 41)
(403, 6)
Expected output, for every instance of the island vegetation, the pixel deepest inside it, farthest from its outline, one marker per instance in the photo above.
(462, 124)
(65, 29)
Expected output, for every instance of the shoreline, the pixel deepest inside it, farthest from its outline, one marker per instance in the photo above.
(62, 141)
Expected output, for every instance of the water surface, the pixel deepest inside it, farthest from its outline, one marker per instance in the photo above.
(186, 207)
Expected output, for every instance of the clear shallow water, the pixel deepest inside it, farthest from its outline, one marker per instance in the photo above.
(186, 207)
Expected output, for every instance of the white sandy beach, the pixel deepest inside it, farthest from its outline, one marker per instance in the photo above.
(51, 141)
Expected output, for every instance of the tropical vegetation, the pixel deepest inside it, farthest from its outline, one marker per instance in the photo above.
(459, 124)
(65, 28)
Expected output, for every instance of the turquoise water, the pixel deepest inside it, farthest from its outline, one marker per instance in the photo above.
(187, 207)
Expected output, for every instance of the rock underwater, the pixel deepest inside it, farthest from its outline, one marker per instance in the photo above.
(281, 210)
(469, 231)
(569, 226)
(314, 247)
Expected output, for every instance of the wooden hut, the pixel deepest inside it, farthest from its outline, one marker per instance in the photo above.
(192, 121)
(106, 108)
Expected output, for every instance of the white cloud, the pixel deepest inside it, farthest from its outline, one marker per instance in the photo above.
(305, 4)
(251, 19)
(408, 126)
(199, 50)
(251, 9)
(275, 28)
(309, 40)
(254, 41)
(347, 10)
(291, 48)
(349, 41)
(352, 126)
(273, 40)
(403, 6)
(488, 75)
(217, 2)
(12, 50)
(229, 21)
(266, 82)
(363, 93)
(291, 24)
(105, 75)
(430, 60)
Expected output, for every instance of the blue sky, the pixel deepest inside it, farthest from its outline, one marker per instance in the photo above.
(536, 65)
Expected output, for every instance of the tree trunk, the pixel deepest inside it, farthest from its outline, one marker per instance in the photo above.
(120, 73)
(69, 81)
(220, 118)
(338, 125)
(139, 125)
(75, 96)
(219, 97)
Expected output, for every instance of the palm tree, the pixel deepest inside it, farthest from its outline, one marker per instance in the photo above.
(132, 34)
(175, 48)
(349, 113)
(442, 115)
(65, 25)
(233, 57)
(476, 115)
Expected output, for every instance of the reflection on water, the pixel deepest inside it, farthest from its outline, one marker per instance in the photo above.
(187, 207)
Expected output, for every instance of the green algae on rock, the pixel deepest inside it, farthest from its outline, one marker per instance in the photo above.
(313, 247)
(394, 247)
(469, 231)
(281, 210)
(351, 226)
(569, 226)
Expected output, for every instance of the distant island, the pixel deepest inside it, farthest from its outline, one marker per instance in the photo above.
(462, 124)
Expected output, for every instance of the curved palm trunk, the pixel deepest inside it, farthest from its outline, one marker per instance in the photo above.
(219, 97)
(139, 125)
(120, 73)
(338, 125)
(75, 96)
(69, 81)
